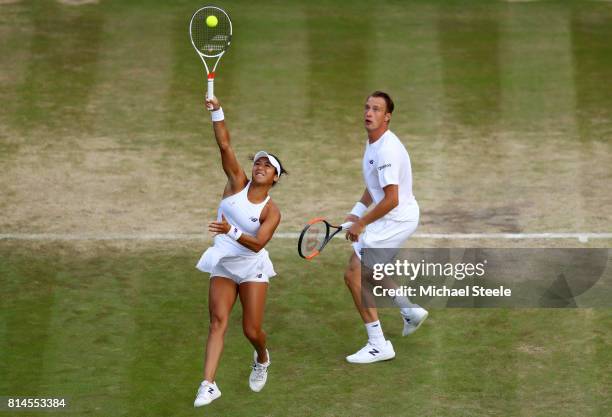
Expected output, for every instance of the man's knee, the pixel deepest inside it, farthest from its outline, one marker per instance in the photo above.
(352, 274)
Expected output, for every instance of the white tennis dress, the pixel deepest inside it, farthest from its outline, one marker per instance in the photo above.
(228, 258)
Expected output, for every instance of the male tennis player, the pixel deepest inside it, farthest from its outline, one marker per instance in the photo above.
(238, 263)
(392, 219)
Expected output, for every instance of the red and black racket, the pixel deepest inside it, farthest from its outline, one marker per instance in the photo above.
(316, 235)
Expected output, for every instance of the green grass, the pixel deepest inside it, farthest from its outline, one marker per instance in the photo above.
(120, 331)
(504, 108)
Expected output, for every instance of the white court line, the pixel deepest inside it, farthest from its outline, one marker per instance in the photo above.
(582, 237)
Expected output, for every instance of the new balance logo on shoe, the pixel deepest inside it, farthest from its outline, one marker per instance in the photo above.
(373, 353)
(207, 393)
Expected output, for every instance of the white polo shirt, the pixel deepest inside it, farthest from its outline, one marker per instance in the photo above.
(386, 162)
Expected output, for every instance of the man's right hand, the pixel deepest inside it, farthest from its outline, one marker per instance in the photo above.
(212, 104)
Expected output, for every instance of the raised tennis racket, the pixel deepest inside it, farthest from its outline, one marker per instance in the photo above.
(316, 235)
(210, 31)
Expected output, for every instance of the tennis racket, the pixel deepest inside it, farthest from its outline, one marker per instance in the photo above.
(210, 31)
(316, 235)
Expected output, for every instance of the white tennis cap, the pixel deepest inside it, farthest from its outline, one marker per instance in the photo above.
(273, 160)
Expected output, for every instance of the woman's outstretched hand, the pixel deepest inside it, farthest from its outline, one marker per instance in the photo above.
(213, 104)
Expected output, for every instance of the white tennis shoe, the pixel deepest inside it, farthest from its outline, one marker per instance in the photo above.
(413, 320)
(207, 393)
(259, 374)
(371, 353)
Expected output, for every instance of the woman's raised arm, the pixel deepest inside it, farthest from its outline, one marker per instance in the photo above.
(236, 178)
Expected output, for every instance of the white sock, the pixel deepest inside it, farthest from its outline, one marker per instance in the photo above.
(405, 305)
(375, 333)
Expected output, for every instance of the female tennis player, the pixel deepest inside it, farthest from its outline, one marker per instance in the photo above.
(238, 264)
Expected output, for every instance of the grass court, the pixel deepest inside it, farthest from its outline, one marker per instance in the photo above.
(504, 107)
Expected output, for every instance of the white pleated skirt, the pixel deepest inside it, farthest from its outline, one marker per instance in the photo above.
(222, 260)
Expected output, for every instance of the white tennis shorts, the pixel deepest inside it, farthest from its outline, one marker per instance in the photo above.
(385, 233)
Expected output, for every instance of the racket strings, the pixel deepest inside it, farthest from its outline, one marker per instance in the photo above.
(313, 239)
(211, 41)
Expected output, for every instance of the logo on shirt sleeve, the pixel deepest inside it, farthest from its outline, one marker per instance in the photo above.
(380, 168)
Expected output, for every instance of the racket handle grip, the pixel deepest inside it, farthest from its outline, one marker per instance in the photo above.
(211, 88)
(346, 226)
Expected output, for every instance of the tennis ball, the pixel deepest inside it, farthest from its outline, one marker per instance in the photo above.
(211, 21)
